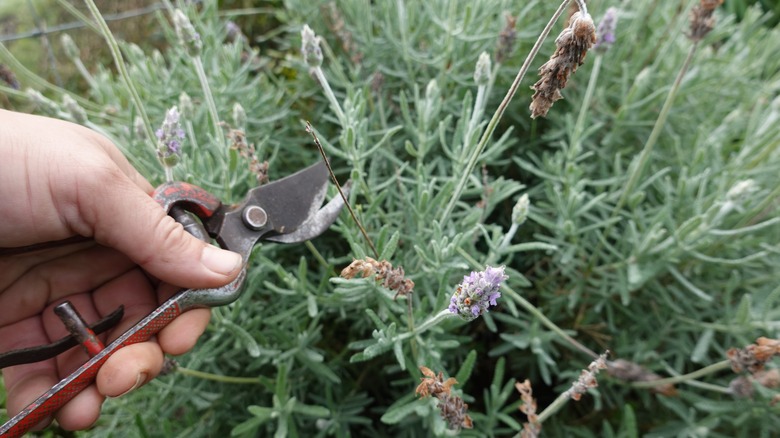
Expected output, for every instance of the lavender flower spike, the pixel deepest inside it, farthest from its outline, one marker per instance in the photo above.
(477, 292)
(169, 139)
(310, 47)
(605, 33)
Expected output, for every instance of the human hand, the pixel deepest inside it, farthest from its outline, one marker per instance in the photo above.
(59, 180)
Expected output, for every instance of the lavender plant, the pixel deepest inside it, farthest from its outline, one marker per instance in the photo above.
(639, 215)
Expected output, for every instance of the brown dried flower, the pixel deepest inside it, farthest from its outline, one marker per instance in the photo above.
(633, 372)
(742, 386)
(532, 428)
(587, 378)
(247, 151)
(453, 409)
(702, 20)
(391, 278)
(571, 47)
(506, 39)
(7, 75)
(753, 357)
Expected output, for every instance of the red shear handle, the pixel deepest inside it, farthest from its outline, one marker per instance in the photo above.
(196, 199)
(51, 401)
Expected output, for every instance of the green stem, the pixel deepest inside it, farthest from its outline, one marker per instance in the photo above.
(430, 322)
(122, 69)
(209, 96)
(644, 156)
(334, 103)
(217, 377)
(318, 256)
(710, 369)
(553, 407)
(491, 127)
(533, 310)
(579, 126)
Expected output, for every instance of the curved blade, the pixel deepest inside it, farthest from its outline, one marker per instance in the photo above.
(292, 200)
(317, 223)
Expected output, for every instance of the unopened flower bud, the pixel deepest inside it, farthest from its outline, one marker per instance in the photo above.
(310, 47)
(185, 106)
(77, 113)
(520, 210)
(482, 70)
(741, 189)
(432, 90)
(71, 51)
(188, 36)
(42, 102)
(239, 116)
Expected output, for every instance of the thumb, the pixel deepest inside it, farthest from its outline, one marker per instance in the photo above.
(121, 215)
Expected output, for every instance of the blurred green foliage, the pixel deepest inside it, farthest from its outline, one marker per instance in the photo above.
(673, 278)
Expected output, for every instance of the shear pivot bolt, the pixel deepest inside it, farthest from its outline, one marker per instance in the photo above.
(255, 217)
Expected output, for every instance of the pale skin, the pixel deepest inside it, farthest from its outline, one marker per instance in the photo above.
(59, 180)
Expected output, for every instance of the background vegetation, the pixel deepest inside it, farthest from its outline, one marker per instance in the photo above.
(669, 273)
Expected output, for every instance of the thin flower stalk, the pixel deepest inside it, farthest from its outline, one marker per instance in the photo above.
(121, 67)
(493, 123)
(586, 381)
(190, 40)
(685, 378)
(73, 53)
(312, 55)
(605, 38)
(519, 216)
(628, 371)
(637, 170)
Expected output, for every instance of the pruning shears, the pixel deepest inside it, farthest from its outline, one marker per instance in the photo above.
(285, 211)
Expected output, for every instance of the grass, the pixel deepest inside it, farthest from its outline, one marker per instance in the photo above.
(668, 269)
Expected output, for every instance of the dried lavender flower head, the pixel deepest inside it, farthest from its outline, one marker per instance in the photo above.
(477, 292)
(188, 36)
(571, 47)
(605, 33)
(310, 47)
(169, 138)
(506, 39)
(702, 20)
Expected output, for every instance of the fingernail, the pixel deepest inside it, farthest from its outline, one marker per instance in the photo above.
(139, 381)
(220, 261)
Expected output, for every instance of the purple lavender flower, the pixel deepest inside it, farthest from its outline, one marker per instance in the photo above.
(169, 138)
(477, 292)
(605, 33)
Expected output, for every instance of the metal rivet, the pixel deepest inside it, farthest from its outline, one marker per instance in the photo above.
(255, 217)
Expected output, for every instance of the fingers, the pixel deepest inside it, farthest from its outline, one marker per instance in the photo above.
(52, 280)
(129, 368)
(122, 216)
